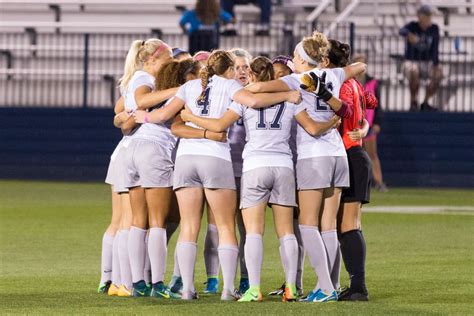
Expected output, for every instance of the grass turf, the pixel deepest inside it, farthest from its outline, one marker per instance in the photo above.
(50, 239)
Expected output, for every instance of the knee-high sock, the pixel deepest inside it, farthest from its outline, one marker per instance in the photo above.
(158, 253)
(147, 268)
(106, 259)
(332, 248)
(336, 270)
(289, 247)
(176, 263)
(254, 257)
(243, 266)
(136, 251)
(228, 255)
(116, 261)
(314, 247)
(284, 264)
(187, 259)
(211, 255)
(170, 229)
(353, 251)
(125, 269)
(300, 270)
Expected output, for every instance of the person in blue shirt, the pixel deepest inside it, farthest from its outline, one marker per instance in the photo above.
(202, 25)
(421, 57)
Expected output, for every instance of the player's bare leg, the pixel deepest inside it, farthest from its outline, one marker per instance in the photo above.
(222, 203)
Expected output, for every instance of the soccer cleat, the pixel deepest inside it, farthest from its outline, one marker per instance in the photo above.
(113, 290)
(188, 296)
(228, 295)
(290, 294)
(123, 291)
(161, 291)
(140, 289)
(352, 296)
(253, 294)
(299, 292)
(278, 291)
(212, 286)
(244, 285)
(104, 287)
(176, 284)
(320, 296)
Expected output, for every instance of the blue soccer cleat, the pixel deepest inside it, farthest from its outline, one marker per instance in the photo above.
(212, 286)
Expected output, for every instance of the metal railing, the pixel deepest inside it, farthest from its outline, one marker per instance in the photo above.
(81, 70)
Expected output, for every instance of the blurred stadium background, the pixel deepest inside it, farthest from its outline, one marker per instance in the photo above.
(60, 61)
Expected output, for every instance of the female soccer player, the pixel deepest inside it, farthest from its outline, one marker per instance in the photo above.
(353, 129)
(210, 172)
(322, 168)
(149, 167)
(268, 176)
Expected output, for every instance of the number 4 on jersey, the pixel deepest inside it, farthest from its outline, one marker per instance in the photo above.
(276, 122)
(203, 102)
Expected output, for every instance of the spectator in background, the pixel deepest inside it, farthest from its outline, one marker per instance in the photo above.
(202, 25)
(374, 117)
(421, 57)
(180, 54)
(263, 29)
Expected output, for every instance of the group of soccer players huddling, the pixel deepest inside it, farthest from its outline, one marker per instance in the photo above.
(227, 134)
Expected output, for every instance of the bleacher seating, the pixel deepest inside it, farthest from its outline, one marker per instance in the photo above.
(51, 52)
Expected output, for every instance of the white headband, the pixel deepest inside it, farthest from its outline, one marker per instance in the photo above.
(299, 48)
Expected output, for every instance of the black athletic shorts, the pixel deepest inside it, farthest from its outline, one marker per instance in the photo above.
(360, 173)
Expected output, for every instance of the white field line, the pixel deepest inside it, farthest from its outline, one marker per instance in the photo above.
(463, 210)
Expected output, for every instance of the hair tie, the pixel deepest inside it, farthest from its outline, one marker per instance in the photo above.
(143, 43)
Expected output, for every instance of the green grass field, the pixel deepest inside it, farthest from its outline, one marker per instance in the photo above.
(50, 238)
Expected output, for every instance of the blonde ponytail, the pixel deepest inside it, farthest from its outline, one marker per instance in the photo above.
(139, 52)
(317, 46)
(217, 64)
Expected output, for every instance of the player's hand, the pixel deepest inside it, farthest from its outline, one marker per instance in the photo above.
(218, 137)
(336, 120)
(294, 97)
(376, 128)
(356, 134)
(412, 38)
(186, 114)
(313, 83)
(140, 116)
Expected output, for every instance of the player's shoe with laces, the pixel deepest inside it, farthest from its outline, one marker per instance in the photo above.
(140, 289)
(278, 291)
(104, 287)
(290, 294)
(123, 291)
(161, 291)
(253, 294)
(113, 290)
(353, 296)
(244, 285)
(212, 286)
(228, 295)
(320, 296)
(176, 284)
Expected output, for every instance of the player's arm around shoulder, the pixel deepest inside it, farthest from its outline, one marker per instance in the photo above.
(212, 124)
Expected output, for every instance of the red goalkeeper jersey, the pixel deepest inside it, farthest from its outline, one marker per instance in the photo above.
(354, 95)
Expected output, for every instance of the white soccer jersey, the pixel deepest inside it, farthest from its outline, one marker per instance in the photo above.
(267, 134)
(218, 97)
(158, 133)
(139, 78)
(330, 143)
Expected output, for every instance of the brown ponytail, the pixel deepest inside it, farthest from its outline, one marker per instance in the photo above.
(217, 64)
(262, 67)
